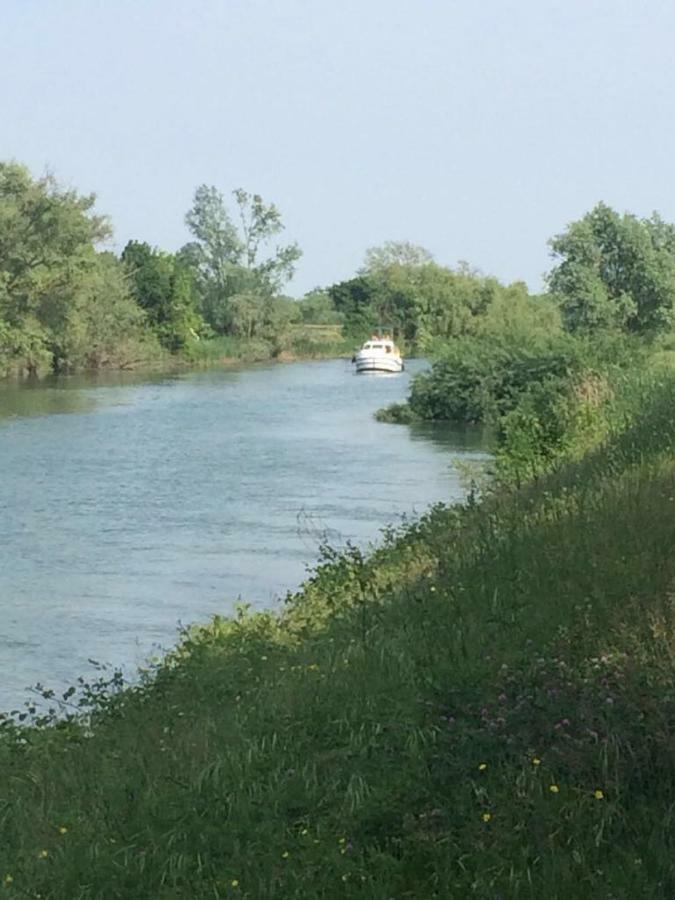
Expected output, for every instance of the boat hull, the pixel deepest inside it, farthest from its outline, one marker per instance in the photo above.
(378, 364)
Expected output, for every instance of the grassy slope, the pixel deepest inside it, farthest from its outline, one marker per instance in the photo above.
(433, 721)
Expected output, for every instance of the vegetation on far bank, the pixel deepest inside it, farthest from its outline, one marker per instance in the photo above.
(67, 303)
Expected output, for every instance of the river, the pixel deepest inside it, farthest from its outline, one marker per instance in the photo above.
(131, 504)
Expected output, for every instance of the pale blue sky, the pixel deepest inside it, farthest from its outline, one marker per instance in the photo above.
(478, 129)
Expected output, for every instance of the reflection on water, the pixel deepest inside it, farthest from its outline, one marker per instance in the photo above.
(40, 400)
(163, 500)
(459, 438)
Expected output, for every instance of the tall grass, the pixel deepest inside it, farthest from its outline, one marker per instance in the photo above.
(482, 707)
(301, 342)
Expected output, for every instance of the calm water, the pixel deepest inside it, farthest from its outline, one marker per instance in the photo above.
(129, 506)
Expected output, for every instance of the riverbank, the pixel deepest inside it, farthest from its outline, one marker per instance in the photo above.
(481, 708)
(308, 343)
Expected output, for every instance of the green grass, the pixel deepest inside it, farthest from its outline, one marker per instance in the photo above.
(431, 720)
(302, 342)
(226, 348)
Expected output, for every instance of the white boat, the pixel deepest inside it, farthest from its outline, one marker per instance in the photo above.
(378, 355)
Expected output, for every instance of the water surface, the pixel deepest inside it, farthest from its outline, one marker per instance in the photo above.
(128, 505)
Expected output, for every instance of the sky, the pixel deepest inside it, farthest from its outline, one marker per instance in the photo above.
(476, 128)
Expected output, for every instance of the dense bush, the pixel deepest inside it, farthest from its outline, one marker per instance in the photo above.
(478, 379)
(544, 395)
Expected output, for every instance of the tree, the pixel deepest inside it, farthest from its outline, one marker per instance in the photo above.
(48, 265)
(615, 271)
(231, 263)
(107, 328)
(317, 308)
(43, 230)
(355, 301)
(394, 253)
(260, 222)
(163, 286)
(423, 303)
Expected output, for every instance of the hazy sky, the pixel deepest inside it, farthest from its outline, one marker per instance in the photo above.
(477, 128)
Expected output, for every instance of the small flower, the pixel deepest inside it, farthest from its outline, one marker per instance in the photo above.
(235, 883)
(487, 816)
(482, 767)
(63, 830)
(263, 658)
(304, 831)
(345, 877)
(342, 840)
(8, 879)
(285, 854)
(432, 589)
(536, 761)
(554, 789)
(599, 795)
(43, 854)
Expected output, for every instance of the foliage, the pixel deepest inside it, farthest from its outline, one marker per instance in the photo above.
(238, 285)
(164, 289)
(102, 326)
(515, 315)
(546, 395)
(63, 305)
(394, 253)
(554, 419)
(615, 271)
(317, 308)
(425, 304)
(480, 708)
(355, 301)
(481, 379)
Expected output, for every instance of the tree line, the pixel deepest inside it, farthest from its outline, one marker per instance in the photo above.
(67, 303)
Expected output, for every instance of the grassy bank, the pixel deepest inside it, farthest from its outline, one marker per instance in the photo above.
(305, 343)
(481, 708)
(302, 342)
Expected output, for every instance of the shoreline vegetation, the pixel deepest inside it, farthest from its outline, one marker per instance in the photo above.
(482, 706)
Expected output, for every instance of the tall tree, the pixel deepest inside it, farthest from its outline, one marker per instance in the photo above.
(48, 266)
(615, 271)
(231, 262)
(260, 223)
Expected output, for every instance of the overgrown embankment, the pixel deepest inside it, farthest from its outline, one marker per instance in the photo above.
(483, 707)
(299, 342)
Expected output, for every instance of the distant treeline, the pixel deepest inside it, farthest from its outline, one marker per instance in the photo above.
(68, 304)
